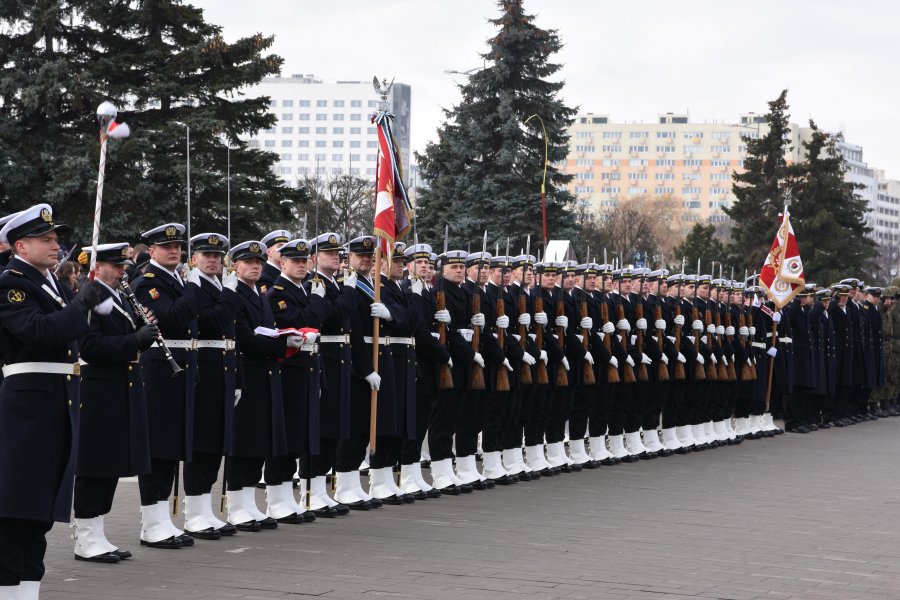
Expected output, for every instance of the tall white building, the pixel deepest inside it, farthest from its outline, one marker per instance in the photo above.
(324, 127)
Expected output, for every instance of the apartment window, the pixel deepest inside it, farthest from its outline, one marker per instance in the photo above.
(586, 175)
(720, 148)
(665, 176)
(585, 148)
(303, 144)
(303, 117)
(720, 135)
(665, 134)
(370, 172)
(371, 157)
(286, 157)
(666, 162)
(354, 157)
(253, 143)
(337, 157)
(637, 162)
(637, 176)
(609, 190)
(612, 135)
(273, 103)
(611, 148)
(584, 134)
(719, 162)
(638, 135)
(637, 190)
(287, 103)
(742, 148)
(337, 144)
(321, 103)
(355, 103)
(583, 162)
(287, 130)
(373, 104)
(692, 162)
(337, 130)
(609, 162)
(665, 148)
(637, 148)
(663, 190)
(690, 176)
(690, 190)
(740, 163)
(302, 130)
(356, 117)
(354, 144)
(320, 157)
(303, 157)
(321, 117)
(287, 116)
(337, 117)
(270, 143)
(611, 176)
(720, 176)
(321, 143)
(371, 130)
(691, 204)
(304, 103)
(693, 134)
(693, 148)
(584, 190)
(338, 104)
(719, 191)
(371, 144)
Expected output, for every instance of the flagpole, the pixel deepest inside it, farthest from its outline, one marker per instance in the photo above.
(106, 113)
(376, 322)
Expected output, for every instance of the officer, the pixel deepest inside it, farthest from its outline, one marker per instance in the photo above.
(872, 306)
(823, 357)
(581, 323)
(215, 392)
(273, 242)
(891, 335)
(294, 306)
(662, 351)
(39, 396)
(113, 408)
(176, 304)
(798, 404)
(5, 248)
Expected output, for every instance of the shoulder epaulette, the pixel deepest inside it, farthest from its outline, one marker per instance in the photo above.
(14, 272)
(278, 287)
(149, 275)
(340, 280)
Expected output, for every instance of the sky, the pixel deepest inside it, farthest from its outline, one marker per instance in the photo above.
(630, 60)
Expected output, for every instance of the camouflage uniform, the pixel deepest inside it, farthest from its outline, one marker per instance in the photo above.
(891, 329)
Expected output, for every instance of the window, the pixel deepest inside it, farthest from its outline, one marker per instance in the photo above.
(371, 144)
(693, 148)
(338, 104)
(372, 104)
(584, 190)
(270, 143)
(719, 191)
(304, 103)
(370, 172)
(337, 130)
(303, 130)
(587, 175)
(719, 162)
(720, 176)
(583, 162)
(285, 157)
(692, 162)
(253, 143)
(356, 117)
(690, 176)
(337, 157)
(287, 103)
(354, 143)
(608, 162)
(303, 157)
(303, 117)
(321, 117)
(665, 134)
(320, 157)
(355, 130)
(337, 117)
(637, 162)
(273, 103)
(371, 130)
(337, 144)
(355, 103)
(321, 130)
(693, 134)
(612, 135)
(720, 148)
(321, 143)
(637, 190)
(584, 134)
(287, 130)
(720, 135)
(691, 204)
(637, 148)
(354, 157)
(663, 190)
(609, 190)
(690, 190)
(638, 135)
(287, 116)
(611, 176)
(637, 176)
(665, 176)
(321, 103)
(585, 148)
(371, 157)
(303, 144)
(667, 162)
(610, 148)
(742, 148)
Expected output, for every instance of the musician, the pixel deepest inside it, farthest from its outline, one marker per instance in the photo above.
(273, 242)
(39, 396)
(113, 409)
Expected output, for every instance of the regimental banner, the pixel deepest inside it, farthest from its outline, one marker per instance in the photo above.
(782, 274)
(393, 210)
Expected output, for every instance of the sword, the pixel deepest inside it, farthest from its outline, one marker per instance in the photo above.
(65, 259)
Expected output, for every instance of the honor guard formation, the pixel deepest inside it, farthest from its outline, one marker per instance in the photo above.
(255, 360)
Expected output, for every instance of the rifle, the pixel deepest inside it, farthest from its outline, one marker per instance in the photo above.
(679, 366)
(587, 368)
(699, 370)
(612, 373)
(445, 378)
(541, 369)
(711, 370)
(562, 378)
(477, 370)
(721, 369)
(662, 371)
(627, 370)
(502, 376)
(525, 370)
(642, 374)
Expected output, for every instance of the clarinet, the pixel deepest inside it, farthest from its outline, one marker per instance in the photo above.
(139, 309)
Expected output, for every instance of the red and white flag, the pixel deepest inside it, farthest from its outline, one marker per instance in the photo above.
(393, 210)
(782, 274)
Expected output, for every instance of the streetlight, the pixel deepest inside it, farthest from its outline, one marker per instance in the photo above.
(188, 162)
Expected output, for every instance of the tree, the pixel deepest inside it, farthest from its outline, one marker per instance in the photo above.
(346, 204)
(702, 245)
(760, 189)
(485, 168)
(828, 216)
(167, 69)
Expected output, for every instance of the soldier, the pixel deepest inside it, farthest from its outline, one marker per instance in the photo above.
(662, 351)
(674, 404)
(689, 433)
(891, 332)
(113, 409)
(296, 307)
(837, 413)
(872, 306)
(215, 393)
(821, 342)
(798, 404)
(39, 396)
(273, 241)
(861, 351)
(5, 248)
(176, 304)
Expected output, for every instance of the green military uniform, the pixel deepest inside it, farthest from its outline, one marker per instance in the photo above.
(891, 336)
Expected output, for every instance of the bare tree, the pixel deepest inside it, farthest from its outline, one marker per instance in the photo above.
(639, 226)
(346, 204)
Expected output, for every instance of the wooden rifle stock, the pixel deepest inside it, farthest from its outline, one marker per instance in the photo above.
(712, 373)
(699, 370)
(679, 366)
(502, 375)
(445, 379)
(749, 343)
(612, 373)
(525, 371)
(721, 369)
(731, 373)
(642, 374)
(627, 370)
(588, 368)
(541, 370)
(477, 371)
(662, 372)
(562, 377)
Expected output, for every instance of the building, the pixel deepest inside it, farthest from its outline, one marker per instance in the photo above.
(885, 220)
(324, 128)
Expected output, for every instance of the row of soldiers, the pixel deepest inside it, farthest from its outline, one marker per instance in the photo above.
(266, 368)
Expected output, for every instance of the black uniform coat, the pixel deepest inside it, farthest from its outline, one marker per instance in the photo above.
(804, 361)
(170, 400)
(819, 346)
(403, 356)
(873, 312)
(459, 305)
(293, 306)
(217, 370)
(514, 350)
(269, 274)
(842, 324)
(430, 353)
(113, 437)
(38, 413)
(863, 354)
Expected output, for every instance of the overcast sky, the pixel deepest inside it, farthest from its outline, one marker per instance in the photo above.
(631, 60)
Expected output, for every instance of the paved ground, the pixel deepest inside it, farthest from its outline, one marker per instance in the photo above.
(797, 516)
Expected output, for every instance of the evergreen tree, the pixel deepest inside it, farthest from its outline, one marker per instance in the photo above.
(167, 69)
(828, 215)
(700, 244)
(760, 189)
(485, 169)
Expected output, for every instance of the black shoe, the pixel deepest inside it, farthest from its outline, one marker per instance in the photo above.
(434, 493)
(798, 429)
(450, 490)
(252, 526)
(106, 557)
(376, 503)
(170, 543)
(269, 523)
(824, 425)
(592, 464)
(419, 495)
(576, 467)
(408, 498)
(210, 533)
(524, 476)
(778, 431)
(342, 509)
(308, 516)
(611, 461)
(812, 427)
(565, 468)
(391, 500)
(478, 485)
(227, 529)
(186, 540)
(548, 472)
(326, 512)
(665, 452)
(490, 484)
(683, 450)
(466, 488)
(714, 444)
(122, 554)
(359, 505)
(292, 519)
(630, 458)
(647, 455)
(505, 480)
(535, 475)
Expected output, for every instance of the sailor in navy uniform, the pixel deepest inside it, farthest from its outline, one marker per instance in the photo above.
(294, 306)
(113, 409)
(176, 304)
(5, 249)
(273, 242)
(214, 394)
(40, 323)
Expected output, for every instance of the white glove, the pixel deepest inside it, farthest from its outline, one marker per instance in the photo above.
(442, 316)
(679, 320)
(671, 338)
(601, 335)
(744, 331)
(540, 318)
(478, 360)
(478, 320)
(633, 340)
(752, 330)
(703, 340)
(720, 330)
(562, 321)
(749, 362)
(525, 319)
(725, 360)
(381, 311)
(660, 324)
(681, 358)
(729, 330)
(630, 360)
(641, 324)
(507, 365)
(665, 359)
(589, 358)
(772, 351)
(700, 359)
(237, 397)
(777, 317)
(105, 307)
(565, 363)
(623, 325)
(544, 357)
(193, 276)
(645, 360)
(310, 338)
(229, 281)
(417, 286)
(690, 338)
(587, 323)
(436, 335)
(710, 328)
(502, 322)
(697, 325)
(450, 362)
(608, 327)
(294, 341)
(317, 289)
(528, 359)
(374, 380)
(614, 362)
(350, 279)
(713, 358)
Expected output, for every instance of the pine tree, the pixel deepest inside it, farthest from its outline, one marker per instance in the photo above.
(485, 169)
(167, 69)
(760, 189)
(700, 244)
(828, 216)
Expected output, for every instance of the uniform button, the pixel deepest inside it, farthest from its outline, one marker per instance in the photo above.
(70, 403)
(270, 372)
(130, 384)
(310, 370)
(130, 368)
(68, 378)
(81, 405)
(68, 353)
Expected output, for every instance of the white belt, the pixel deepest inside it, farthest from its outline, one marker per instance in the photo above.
(760, 345)
(382, 341)
(334, 339)
(220, 344)
(183, 344)
(408, 341)
(786, 340)
(46, 368)
(466, 333)
(313, 348)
